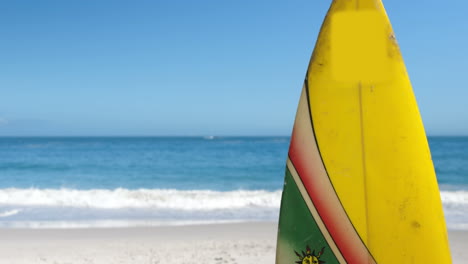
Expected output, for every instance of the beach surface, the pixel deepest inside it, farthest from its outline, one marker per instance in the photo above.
(240, 243)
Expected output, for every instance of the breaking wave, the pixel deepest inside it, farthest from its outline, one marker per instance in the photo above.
(69, 208)
(141, 198)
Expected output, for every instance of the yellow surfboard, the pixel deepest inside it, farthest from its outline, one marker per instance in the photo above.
(360, 185)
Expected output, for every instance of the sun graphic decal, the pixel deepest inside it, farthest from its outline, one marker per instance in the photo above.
(310, 257)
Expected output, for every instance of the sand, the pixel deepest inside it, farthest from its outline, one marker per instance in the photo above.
(241, 243)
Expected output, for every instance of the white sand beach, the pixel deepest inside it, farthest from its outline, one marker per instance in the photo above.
(240, 243)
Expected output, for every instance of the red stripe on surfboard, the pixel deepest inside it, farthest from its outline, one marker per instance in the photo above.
(346, 243)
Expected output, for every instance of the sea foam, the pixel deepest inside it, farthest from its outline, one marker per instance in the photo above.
(454, 198)
(165, 198)
(141, 198)
(125, 207)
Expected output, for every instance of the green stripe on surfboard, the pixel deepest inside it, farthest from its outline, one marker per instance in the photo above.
(298, 229)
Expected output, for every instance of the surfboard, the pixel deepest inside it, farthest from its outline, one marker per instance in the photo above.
(360, 186)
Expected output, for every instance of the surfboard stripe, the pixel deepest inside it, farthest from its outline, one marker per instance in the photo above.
(313, 211)
(307, 161)
(299, 229)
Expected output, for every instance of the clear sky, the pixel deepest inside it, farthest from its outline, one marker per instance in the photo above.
(205, 67)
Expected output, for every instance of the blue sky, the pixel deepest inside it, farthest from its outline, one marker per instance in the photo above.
(204, 67)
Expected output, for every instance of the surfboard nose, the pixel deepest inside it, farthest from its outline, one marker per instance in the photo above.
(343, 5)
(356, 44)
(359, 44)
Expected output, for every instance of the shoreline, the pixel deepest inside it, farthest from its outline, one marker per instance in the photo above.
(240, 243)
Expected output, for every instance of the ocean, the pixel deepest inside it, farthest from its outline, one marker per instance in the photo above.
(66, 182)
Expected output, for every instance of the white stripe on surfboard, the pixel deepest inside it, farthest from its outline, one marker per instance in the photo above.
(314, 212)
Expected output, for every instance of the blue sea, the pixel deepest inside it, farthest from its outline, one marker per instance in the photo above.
(66, 182)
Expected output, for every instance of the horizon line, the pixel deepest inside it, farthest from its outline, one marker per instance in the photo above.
(177, 136)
